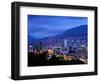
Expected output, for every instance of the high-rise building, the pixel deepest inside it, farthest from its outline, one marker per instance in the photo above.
(65, 42)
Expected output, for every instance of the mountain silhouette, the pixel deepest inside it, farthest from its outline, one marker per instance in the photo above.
(79, 31)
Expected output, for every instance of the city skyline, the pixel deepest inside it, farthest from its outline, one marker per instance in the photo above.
(57, 40)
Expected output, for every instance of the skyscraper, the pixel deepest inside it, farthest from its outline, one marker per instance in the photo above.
(65, 42)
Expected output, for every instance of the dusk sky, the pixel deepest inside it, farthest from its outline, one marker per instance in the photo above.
(40, 26)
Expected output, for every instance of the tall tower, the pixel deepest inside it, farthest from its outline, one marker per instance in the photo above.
(65, 50)
(65, 43)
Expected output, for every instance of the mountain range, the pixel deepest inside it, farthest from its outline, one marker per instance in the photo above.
(79, 31)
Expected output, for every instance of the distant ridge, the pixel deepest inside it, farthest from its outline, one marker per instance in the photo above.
(79, 31)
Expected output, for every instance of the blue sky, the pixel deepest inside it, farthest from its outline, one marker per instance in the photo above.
(41, 26)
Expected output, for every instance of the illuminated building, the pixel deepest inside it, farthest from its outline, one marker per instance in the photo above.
(30, 48)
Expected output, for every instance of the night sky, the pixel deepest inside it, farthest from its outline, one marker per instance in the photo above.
(40, 26)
